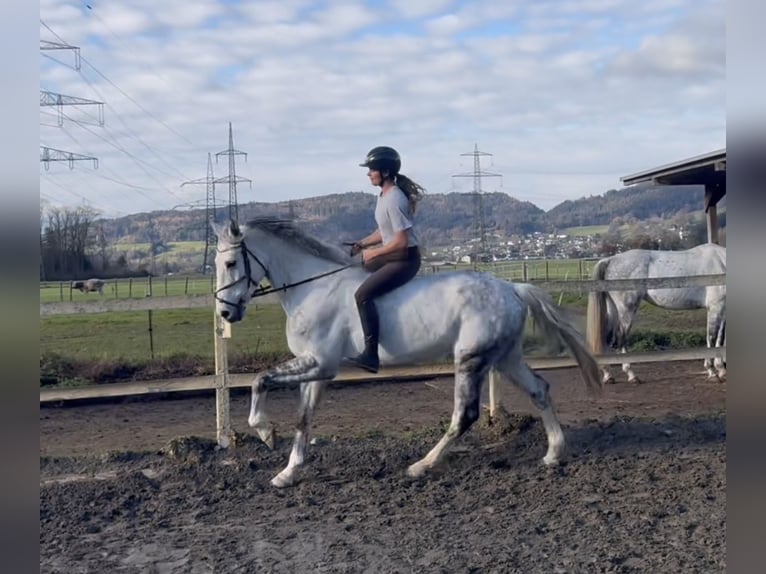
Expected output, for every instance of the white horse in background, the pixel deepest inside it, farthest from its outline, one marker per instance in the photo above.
(477, 318)
(611, 313)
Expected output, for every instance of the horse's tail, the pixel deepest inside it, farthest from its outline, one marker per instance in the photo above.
(598, 317)
(555, 326)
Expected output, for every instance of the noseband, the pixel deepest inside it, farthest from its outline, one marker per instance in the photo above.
(246, 277)
(261, 291)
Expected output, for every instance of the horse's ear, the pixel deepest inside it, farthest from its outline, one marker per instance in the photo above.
(234, 228)
(217, 229)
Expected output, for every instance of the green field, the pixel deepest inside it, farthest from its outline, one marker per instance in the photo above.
(140, 287)
(127, 288)
(587, 230)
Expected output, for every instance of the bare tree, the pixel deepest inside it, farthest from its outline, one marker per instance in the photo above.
(65, 241)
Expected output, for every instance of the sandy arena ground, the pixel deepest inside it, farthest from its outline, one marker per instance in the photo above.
(644, 489)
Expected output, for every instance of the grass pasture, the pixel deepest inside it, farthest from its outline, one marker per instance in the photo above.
(586, 230)
(196, 284)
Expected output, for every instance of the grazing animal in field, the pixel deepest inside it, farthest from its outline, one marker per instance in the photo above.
(89, 286)
(474, 317)
(611, 313)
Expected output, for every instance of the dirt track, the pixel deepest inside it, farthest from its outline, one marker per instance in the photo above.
(643, 491)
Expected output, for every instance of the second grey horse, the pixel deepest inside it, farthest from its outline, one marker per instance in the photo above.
(611, 313)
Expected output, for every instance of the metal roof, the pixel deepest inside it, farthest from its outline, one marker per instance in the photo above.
(706, 169)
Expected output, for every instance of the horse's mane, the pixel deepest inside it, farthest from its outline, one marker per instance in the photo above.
(287, 230)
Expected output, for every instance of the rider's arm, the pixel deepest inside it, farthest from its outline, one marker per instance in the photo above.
(372, 239)
(397, 243)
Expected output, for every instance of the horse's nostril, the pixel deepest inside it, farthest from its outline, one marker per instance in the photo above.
(225, 314)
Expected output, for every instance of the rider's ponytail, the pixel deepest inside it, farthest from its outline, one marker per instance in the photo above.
(413, 191)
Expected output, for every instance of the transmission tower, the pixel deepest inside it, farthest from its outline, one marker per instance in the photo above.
(59, 100)
(46, 45)
(478, 202)
(48, 154)
(232, 179)
(210, 210)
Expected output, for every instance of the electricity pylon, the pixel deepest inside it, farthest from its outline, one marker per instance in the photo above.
(210, 206)
(59, 100)
(232, 179)
(478, 203)
(48, 154)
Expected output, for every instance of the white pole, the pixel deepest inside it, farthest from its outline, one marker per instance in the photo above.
(222, 331)
(492, 394)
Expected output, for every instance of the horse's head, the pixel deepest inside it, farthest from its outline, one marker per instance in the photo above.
(238, 272)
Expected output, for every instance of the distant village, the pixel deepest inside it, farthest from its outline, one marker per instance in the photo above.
(520, 247)
(538, 245)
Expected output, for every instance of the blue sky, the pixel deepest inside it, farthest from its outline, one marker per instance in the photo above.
(567, 95)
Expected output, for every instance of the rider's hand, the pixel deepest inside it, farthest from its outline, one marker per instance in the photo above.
(356, 248)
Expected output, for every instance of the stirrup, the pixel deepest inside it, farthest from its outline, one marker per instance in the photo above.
(363, 362)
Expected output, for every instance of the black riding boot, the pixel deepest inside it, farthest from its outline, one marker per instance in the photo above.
(368, 359)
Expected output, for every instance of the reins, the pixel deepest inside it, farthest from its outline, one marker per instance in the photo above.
(261, 291)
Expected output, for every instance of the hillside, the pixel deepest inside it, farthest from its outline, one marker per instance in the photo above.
(442, 219)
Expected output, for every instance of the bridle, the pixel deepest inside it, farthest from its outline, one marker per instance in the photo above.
(261, 291)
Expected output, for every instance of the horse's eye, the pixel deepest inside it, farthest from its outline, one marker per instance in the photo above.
(230, 264)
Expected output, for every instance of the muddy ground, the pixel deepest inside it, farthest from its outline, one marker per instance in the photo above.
(137, 485)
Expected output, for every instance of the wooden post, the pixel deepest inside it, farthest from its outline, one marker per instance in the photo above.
(151, 335)
(547, 271)
(130, 288)
(713, 193)
(186, 286)
(524, 272)
(222, 331)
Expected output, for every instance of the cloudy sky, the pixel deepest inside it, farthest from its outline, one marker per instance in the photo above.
(566, 95)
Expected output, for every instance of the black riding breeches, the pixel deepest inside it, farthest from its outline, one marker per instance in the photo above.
(388, 273)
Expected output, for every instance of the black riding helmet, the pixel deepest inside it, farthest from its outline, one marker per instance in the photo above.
(383, 158)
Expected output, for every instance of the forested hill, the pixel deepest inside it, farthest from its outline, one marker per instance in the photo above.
(441, 218)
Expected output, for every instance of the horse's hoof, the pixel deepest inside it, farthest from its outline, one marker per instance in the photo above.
(267, 435)
(281, 481)
(609, 381)
(416, 470)
(634, 381)
(550, 461)
(554, 459)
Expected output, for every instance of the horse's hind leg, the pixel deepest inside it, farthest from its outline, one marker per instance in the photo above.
(469, 375)
(632, 378)
(716, 329)
(538, 390)
(310, 396)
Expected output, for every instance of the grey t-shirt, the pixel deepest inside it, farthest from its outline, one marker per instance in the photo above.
(392, 214)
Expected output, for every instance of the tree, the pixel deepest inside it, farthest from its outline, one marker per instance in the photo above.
(65, 240)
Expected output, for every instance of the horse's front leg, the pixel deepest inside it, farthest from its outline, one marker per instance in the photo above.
(303, 369)
(258, 418)
(310, 396)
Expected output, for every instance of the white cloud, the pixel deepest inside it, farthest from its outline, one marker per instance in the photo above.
(568, 95)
